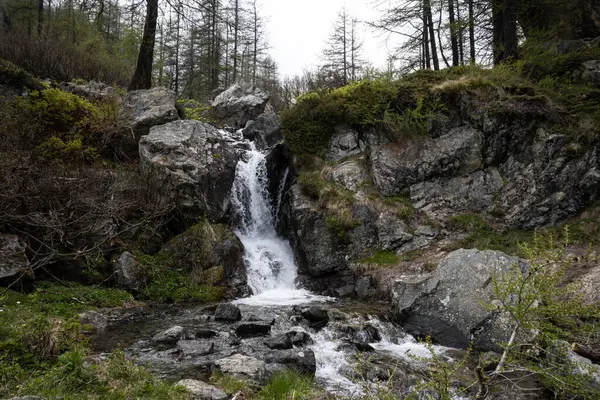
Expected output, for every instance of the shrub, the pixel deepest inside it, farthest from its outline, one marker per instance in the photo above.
(382, 257)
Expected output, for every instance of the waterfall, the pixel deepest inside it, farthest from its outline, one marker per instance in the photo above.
(269, 258)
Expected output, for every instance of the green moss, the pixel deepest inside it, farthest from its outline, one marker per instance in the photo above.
(17, 77)
(468, 223)
(402, 206)
(382, 257)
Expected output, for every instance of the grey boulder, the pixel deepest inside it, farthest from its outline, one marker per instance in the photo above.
(128, 272)
(143, 109)
(194, 164)
(344, 143)
(242, 367)
(202, 391)
(92, 90)
(239, 104)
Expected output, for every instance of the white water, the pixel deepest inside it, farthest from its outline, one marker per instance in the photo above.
(269, 259)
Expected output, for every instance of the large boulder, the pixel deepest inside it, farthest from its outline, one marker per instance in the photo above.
(265, 130)
(344, 143)
(395, 167)
(128, 272)
(350, 174)
(195, 165)
(238, 105)
(202, 391)
(13, 259)
(448, 304)
(242, 367)
(143, 109)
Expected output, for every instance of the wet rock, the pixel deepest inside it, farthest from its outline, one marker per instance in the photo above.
(128, 272)
(242, 367)
(92, 90)
(195, 347)
(265, 130)
(302, 361)
(13, 259)
(344, 291)
(194, 164)
(344, 143)
(446, 304)
(280, 342)
(366, 334)
(301, 339)
(315, 314)
(363, 287)
(143, 109)
(228, 312)
(97, 321)
(239, 104)
(171, 335)
(362, 347)
(253, 328)
(336, 315)
(204, 334)
(203, 391)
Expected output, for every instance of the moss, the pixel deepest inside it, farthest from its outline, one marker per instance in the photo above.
(402, 206)
(382, 257)
(468, 223)
(17, 77)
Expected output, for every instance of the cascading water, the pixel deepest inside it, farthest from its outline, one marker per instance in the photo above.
(269, 259)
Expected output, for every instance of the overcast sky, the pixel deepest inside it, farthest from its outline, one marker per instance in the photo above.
(298, 30)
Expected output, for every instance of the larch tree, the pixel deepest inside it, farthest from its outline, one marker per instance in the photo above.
(142, 77)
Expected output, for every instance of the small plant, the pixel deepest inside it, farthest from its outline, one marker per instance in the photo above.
(287, 385)
(382, 257)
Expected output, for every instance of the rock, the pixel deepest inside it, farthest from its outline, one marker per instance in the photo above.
(363, 287)
(242, 367)
(195, 165)
(303, 361)
(344, 143)
(254, 328)
(344, 291)
(13, 259)
(591, 71)
(171, 335)
(203, 391)
(349, 174)
(392, 232)
(228, 312)
(447, 304)
(301, 339)
(395, 167)
(265, 130)
(238, 105)
(336, 315)
(128, 272)
(92, 90)
(280, 342)
(143, 109)
(195, 347)
(366, 334)
(560, 352)
(204, 334)
(315, 314)
(97, 321)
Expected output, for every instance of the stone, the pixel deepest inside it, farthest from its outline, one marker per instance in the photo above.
(591, 71)
(128, 272)
(13, 259)
(242, 367)
(97, 321)
(265, 130)
(344, 291)
(301, 339)
(239, 104)
(396, 167)
(170, 336)
(280, 342)
(204, 334)
(315, 314)
(228, 312)
(143, 109)
(194, 164)
(350, 174)
(560, 352)
(195, 347)
(92, 90)
(344, 143)
(202, 391)
(447, 304)
(392, 232)
(252, 328)
(303, 360)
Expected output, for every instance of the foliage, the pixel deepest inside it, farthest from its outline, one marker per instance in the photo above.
(382, 257)
(14, 76)
(288, 385)
(231, 385)
(468, 222)
(167, 284)
(72, 151)
(193, 109)
(539, 300)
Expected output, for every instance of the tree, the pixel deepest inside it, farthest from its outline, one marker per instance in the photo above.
(142, 78)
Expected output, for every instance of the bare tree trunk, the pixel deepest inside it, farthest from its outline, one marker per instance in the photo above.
(429, 18)
(511, 50)
(40, 23)
(453, 33)
(177, 39)
(426, 42)
(255, 49)
(236, 28)
(142, 78)
(471, 32)
(440, 39)
(461, 35)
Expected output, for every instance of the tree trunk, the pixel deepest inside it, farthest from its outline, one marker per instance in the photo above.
(142, 78)
(498, 30)
(429, 18)
(177, 39)
(471, 32)
(40, 18)
(461, 35)
(236, 27)
(511, 50)
(426, 56)
(440, 39)
(453, 33)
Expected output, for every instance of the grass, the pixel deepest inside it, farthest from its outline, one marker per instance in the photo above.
(43, 350)
(288, 385)
(382, 257)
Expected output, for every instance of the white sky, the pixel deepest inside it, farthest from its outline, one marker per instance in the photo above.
(299, 29)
